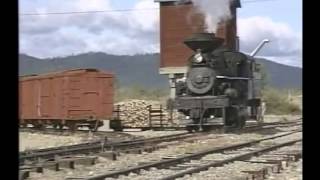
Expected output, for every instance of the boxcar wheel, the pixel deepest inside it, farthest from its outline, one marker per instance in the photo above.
(72, 126)
(93, 128)
(242, 117)
(38, 126)
(206, 128)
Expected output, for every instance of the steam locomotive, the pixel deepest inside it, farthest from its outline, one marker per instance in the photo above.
(221, 87)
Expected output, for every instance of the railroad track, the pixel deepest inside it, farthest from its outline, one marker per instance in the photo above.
(175, 167)
(54, 157)
(123, 146)
(266, 126)
(95, 147)
(102, 140)
(68, 132)
(242, 155)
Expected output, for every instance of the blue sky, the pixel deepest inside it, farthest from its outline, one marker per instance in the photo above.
(119, 33)
(288, 11)
(119, 4)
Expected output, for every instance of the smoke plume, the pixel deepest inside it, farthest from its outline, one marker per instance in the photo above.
(215, 11)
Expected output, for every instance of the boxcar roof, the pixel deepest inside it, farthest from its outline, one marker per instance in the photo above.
(69, 72)
(236, 3)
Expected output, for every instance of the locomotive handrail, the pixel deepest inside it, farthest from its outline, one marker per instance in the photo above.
(228, 77)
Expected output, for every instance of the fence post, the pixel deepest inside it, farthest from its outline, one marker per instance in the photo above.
(149, 108)
(161, 115)
(171, 115)
(118, 112)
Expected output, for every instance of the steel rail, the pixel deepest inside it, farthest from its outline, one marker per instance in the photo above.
(171, 162)
(49, 153)
(229, 160)
(98, 146)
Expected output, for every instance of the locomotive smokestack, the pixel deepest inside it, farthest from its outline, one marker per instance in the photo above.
(220, 18)
(203, 41)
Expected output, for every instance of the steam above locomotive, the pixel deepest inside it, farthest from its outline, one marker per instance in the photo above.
(220, 87)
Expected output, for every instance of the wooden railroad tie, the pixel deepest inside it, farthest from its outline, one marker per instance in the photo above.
(56, 164)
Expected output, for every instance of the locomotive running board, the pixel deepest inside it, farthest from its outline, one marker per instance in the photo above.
(209, 121)
(204, 102)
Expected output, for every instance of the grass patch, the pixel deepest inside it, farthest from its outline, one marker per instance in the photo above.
(139, 92)
(277, 102)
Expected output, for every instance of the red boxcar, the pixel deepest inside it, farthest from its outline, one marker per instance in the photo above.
(71, 98)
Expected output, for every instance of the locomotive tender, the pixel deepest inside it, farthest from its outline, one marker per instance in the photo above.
(221, 86)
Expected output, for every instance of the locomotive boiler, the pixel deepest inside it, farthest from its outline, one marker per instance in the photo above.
(221, 87)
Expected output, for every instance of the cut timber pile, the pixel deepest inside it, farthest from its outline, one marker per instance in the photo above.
(135, 113)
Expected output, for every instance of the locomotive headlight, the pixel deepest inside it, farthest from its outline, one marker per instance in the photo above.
(198, 58)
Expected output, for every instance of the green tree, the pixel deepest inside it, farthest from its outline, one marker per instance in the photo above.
(278, 103)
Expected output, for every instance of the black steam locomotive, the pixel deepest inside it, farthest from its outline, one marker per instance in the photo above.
(220, 87)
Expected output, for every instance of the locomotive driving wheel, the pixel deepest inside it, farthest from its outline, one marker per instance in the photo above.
(241, 121)
(242, 117)
(207, 128)
(235, 117)
(192, 128)
(231, 114)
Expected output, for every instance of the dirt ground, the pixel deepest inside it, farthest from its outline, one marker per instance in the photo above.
(29, 140)
(276, 118)
(126, 160)
(293, 172)
(40, 140)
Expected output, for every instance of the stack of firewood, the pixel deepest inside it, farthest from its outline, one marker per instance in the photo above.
(135, 113)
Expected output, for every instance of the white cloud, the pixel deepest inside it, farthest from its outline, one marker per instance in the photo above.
(146, 20)
(117, 32)
(285, 46)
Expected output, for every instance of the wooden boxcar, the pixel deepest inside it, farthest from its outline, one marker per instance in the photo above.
(72, 98)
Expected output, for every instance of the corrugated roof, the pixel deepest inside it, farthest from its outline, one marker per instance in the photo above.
(166, 0)
(236, 3)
